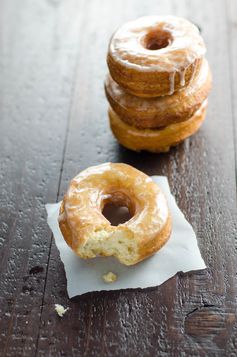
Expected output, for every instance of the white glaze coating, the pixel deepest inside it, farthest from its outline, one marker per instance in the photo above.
(126, 100)
(171, 79)
(186, 45)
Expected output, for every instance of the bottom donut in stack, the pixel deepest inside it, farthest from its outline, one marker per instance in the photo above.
(155, 140)
(156, 124)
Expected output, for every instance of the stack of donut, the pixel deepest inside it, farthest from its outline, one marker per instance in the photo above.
(158, 83)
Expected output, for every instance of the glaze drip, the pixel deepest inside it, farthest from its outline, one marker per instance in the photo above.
(182, 77)
(171, 79)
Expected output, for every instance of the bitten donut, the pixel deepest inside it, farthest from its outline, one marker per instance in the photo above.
(160, 111)
(89, 233)
(155, 140)
(155, 55)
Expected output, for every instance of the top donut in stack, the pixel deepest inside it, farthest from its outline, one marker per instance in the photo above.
(158, 83)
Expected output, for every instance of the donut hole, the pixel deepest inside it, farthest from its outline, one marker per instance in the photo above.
(116, 214)
(157, 39)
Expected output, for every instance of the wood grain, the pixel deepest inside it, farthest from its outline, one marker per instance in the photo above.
(38, 53)
(53, 120)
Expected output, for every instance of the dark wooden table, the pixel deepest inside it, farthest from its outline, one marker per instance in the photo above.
(53, 123)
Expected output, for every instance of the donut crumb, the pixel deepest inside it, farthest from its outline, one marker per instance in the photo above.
(60, 309)
(109, 277)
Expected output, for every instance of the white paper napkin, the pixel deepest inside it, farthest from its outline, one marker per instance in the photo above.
(180, 253)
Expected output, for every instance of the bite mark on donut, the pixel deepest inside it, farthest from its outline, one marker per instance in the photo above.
(119, 243)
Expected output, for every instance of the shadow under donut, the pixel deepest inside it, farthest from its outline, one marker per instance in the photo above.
(150, 163)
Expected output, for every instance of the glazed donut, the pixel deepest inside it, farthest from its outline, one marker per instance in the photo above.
(90, 234)
(155, 140)
(155, 55)
(160, 111)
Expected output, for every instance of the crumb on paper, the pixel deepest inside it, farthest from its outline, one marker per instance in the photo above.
(109, 277)
(60, 309)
